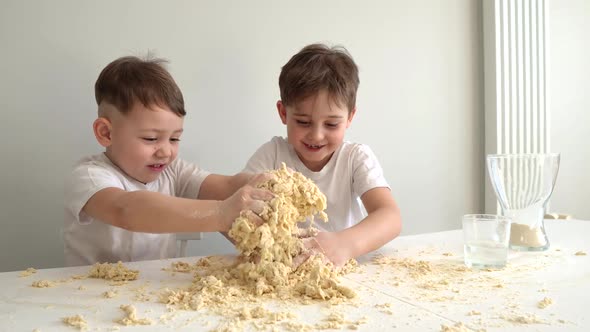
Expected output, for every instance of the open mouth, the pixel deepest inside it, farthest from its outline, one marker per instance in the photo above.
(313, 147)
(157, 167)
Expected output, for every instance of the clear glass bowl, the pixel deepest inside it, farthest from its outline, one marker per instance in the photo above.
(523, 184)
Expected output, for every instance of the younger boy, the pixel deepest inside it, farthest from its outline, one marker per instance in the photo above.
(318, 102)
(123, 203)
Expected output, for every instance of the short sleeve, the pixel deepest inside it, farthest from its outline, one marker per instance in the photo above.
(85, 181)
(367, 172)
(263, 159)
(188, 178)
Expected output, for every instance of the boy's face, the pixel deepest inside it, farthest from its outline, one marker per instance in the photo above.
(315, 128)
(145, 141)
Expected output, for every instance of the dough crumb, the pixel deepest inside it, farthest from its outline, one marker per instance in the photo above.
(110, 294)
(131, 318)
(115, 272)
(27, 272)
(43, 284)
(457, 327)
(544, 303)
(75, 321)
(182, 267)
(580, 253)
(524, 319)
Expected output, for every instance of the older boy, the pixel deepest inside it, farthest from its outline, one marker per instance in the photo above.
(123, 203)
(318, 102)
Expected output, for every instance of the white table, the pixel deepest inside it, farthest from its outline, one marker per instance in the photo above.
(390, 295)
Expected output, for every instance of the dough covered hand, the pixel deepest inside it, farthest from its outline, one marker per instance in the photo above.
(327, 245)
(247, 202)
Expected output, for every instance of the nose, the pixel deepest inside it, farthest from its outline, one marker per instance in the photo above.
(315, 133)
(164, 150)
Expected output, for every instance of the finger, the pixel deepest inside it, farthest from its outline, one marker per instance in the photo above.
(256, 206)
(306, 232)
(261, 194)
(300, 259)
(254, 218)
(260, 178)
(309, 243)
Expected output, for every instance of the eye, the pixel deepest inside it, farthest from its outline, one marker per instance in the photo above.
(149, 139)
(301, 122)
(175, 139)
(332, 125)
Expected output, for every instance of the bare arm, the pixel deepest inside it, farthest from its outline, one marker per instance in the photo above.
(220, 187)
(382, 224)
(150, 212)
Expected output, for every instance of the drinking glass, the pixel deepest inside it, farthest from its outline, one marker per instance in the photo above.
(485, 240)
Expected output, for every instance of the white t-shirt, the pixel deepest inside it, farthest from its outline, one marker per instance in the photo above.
(88, 241)
(352, 171)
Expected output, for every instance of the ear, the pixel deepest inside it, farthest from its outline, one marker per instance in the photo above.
(282, 111)
(102, 128)
(350, 116)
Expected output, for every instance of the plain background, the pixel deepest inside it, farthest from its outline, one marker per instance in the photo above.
(420, 102)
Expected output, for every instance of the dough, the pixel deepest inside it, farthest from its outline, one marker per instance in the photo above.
(114, 272)
(27, 272)
(76, 321)
(131, 318)
(264, 266)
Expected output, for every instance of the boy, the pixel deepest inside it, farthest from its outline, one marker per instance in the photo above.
(123, 203)
(318, 102)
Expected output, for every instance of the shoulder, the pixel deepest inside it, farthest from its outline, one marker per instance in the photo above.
(365, 167)
(182, 178)
(277, 143)
(95, 166)
(267, 155)
(357, 152)
(93, 173)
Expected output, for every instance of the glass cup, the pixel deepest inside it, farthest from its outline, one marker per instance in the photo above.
(523, 184)
(485, 238)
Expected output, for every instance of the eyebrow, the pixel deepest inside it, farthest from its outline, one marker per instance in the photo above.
(161, 131)
(330, 116)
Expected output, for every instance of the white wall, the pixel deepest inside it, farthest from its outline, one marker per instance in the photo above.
(569, 24)
(420, 103)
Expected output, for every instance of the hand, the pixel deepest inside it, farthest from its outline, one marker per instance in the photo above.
(248, 198)
(326, 243)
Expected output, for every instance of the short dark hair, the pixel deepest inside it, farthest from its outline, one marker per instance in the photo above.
(130, 79)
(317, 67)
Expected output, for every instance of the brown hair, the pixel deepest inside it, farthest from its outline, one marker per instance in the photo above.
(318, 67)
(130, 79)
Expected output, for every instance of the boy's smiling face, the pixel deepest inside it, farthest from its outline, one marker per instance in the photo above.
(143, 142)
(315, 128)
